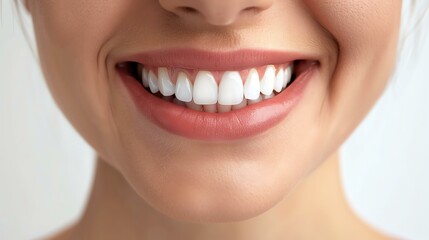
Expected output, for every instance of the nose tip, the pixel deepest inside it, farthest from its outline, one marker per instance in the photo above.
(215, 12)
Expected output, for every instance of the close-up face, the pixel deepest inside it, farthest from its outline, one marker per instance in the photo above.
(215, 110)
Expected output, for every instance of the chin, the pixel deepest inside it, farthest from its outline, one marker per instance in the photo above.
(215, 206)
(222, 190)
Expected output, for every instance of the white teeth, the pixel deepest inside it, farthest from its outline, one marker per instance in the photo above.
(205, 94)
(287, 75)
(280, 78)
(230, 88)
(267, 82)
(205, 89)
(145, 77)
(166, 87)
(153, 82)
(252, 87)
(183, 88)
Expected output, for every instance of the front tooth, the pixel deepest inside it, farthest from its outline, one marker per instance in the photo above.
(280, 78)
(166, 86)
(230, 88)
(252, 87)
(205, 89)
(183, 88)
(153, 82)
(267, 82)
(145, 77)
(288, 75)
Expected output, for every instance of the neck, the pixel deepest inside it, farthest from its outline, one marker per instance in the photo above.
(115, 211)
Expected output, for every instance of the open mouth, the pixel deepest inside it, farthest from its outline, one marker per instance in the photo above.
(215, 96)
(215, 91)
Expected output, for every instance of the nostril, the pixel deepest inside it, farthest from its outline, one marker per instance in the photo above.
(251, 10)
(186, 9)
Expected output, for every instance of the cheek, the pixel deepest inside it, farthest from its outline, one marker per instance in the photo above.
(366, 34)
(70, 39)
(69, 23)
(358, 24)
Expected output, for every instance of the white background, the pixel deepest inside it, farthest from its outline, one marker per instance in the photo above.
(46, 168)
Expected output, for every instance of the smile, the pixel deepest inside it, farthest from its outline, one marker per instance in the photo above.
(215, 96)
(214, 91)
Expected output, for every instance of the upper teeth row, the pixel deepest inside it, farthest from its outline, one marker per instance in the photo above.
(231, 90)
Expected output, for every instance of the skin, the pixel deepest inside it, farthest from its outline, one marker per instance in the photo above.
(282, 182)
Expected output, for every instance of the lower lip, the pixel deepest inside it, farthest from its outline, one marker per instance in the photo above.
(238, 124)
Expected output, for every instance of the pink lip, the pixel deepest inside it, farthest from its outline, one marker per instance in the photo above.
(246, 122)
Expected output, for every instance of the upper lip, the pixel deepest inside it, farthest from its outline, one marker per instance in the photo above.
(189, 58)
